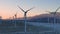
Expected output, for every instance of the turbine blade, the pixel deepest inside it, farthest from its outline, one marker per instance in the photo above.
(29, 9)
(57, 9)
(21, 9)
(48, 11)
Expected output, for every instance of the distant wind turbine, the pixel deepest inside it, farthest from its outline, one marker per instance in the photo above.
(15, 15)
(54, 13)
(15, 18)
(25, 15)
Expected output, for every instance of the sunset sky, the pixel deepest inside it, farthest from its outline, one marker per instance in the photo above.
(9, 7)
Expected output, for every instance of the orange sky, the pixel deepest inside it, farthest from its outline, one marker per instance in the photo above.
(9, 7)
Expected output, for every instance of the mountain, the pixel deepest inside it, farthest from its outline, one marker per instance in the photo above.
(44, 18)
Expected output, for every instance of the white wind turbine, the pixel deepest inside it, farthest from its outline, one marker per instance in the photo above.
(15, 18)
(54, 13)
(25, 15)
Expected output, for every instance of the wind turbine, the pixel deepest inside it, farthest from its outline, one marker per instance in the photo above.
(25, 15)
(54, 13)
(15, 18)
(15, 15)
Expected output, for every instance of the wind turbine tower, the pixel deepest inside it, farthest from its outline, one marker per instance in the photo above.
(25, 15)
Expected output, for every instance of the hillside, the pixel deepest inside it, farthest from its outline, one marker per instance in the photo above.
(45, 17)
